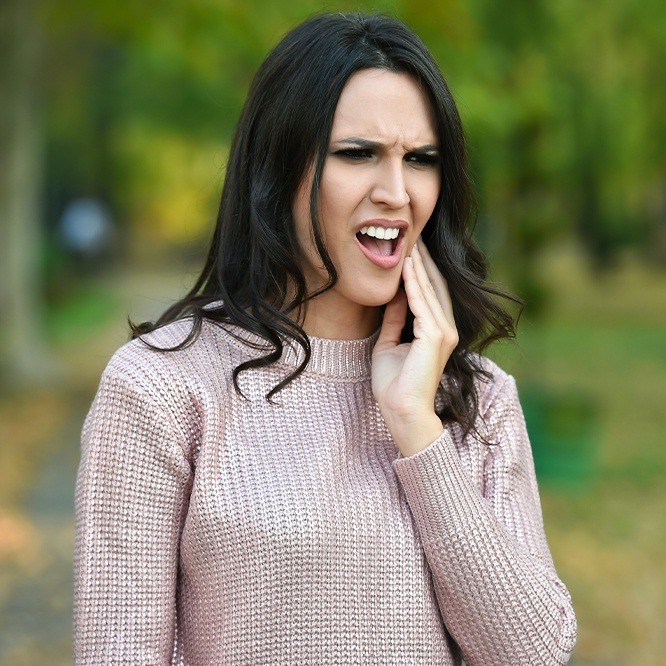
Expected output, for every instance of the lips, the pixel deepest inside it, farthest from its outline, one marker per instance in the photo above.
(381, 241)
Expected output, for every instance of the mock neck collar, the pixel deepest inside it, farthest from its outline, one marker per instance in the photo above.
(344, 359)
(349, 359)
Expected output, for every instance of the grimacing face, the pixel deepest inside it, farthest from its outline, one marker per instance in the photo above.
(379, 187)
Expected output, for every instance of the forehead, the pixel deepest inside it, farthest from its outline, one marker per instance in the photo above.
(384, 105)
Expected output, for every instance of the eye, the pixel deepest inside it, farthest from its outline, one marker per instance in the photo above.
(423, 159)
(355, 154)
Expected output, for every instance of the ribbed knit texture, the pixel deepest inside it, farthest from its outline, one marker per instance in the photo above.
(214, 528)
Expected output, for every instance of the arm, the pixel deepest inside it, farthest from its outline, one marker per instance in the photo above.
(495, 582)
(131, 500)
(497, 590)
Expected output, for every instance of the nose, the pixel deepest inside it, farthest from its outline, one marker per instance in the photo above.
(390, 188)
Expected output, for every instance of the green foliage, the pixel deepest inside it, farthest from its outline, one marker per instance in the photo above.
(82, 313)
(562, 104)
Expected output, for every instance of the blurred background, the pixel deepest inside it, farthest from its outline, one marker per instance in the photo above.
(115, 119)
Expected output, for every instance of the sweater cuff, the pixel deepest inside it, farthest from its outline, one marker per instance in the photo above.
(428, 458)
(435, 477)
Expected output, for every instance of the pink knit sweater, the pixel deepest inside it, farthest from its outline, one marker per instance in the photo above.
(218, 529)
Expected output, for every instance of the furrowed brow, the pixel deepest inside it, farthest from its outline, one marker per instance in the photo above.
(429, 149)
(360, 143)
(376, 145)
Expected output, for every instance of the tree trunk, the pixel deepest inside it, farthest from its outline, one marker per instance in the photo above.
(22, 350)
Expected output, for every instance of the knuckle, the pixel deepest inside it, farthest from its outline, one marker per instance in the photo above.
(450, 339)
(438, 335)
(439, 279)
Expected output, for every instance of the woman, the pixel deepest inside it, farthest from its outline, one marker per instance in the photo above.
(287, 482)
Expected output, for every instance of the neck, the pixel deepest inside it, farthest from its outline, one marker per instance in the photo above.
(325, 320)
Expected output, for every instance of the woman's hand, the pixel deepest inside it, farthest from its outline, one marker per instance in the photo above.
(405, 376)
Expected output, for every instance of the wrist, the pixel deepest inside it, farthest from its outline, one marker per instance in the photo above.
(417, 434)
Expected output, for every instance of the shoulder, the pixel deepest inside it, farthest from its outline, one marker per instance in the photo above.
(148, 378)
(493, 384)
(176, 379)
(173, 351)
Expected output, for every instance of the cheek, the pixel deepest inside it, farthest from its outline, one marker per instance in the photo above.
(342, 189)
(338, 199)
(301, 208)
(427, 200)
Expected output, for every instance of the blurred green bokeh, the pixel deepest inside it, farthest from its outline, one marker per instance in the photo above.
(121, 113)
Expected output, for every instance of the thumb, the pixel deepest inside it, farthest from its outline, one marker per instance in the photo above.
(395, 315)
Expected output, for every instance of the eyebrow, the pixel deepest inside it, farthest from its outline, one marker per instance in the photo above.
(375, 145)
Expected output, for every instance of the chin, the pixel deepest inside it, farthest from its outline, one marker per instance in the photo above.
(379, 297)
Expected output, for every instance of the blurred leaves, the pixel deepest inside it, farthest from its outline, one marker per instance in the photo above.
(563, 103)
(27, 421)
(564, 107)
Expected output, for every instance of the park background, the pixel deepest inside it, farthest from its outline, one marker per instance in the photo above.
(115, 120)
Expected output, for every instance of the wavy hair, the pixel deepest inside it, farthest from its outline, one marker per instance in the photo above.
(252, 267)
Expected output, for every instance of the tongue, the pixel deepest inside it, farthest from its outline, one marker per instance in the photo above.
(377, 245)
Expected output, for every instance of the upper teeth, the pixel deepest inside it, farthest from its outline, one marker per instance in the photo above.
(381, 232)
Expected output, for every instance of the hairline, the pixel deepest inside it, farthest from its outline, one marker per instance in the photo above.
(320, 153)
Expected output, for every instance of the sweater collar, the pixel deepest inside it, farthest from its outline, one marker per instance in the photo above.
(344, 359)
(350, 359)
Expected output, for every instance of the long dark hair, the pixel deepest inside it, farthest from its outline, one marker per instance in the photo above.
(252, 268)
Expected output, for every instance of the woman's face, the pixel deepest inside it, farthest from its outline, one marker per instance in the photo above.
(380, 184)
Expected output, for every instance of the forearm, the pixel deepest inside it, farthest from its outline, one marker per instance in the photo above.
(501, 603)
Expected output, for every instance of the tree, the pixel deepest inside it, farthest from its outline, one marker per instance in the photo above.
(22, 355)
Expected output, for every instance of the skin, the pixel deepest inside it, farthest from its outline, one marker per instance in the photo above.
(382, 164)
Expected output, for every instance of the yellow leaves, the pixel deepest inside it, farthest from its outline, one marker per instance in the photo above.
(26, 422)
(19, 539)
(173, 185)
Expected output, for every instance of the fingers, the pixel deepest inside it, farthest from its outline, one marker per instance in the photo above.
(429, 263)
(430, 303)
(428, 289)
(395, 315)
(437, 279)
(421, 297)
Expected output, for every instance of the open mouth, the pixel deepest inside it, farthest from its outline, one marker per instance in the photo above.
(379, 240)
(381, 245)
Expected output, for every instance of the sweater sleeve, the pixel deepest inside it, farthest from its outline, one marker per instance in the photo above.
(131, 500)
(496, 585)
